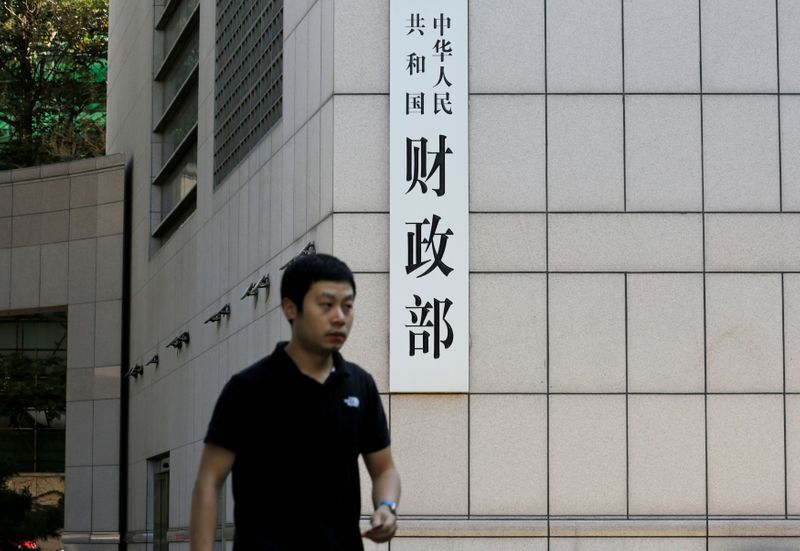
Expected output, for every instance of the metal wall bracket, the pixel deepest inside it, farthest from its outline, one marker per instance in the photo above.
(225, 311)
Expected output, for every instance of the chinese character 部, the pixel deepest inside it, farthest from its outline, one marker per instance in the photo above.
(429, 328)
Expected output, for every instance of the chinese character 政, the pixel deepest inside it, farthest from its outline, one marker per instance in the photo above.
(430, 319)
(433, 245)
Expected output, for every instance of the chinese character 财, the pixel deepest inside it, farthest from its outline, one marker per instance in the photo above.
(417, 164)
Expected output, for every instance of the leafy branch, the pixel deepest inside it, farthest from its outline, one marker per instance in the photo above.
(29, 385)
(52, 80)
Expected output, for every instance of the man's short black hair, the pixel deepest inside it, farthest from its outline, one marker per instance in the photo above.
(306, 270)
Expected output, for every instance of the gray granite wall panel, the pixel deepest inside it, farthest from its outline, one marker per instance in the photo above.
(48, 259)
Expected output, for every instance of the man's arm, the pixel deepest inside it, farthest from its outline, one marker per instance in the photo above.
(215, 465)
(385, 487)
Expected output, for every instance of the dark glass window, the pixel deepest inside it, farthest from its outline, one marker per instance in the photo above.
(175, 108)
(34, 442)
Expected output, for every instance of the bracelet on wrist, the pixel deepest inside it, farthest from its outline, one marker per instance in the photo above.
(392, 505)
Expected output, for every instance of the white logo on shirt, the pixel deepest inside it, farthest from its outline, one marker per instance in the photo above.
(352, 401)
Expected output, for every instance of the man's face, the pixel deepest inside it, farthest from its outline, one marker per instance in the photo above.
(327, 316)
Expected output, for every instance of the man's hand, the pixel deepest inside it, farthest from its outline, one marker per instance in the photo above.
(385, 487)
(384, 525)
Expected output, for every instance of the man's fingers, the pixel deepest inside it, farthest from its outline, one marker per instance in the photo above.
(374, 533)
(380, 535)
(375, 525)
(383, 527)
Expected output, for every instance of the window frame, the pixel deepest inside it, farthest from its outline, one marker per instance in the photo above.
(21, 322)
(165, 110)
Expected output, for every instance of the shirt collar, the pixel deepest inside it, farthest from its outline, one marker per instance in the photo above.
(340, 365)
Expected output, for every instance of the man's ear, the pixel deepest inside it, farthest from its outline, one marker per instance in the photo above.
(289, 309)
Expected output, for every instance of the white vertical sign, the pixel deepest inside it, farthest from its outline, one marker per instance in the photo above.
(429, 197)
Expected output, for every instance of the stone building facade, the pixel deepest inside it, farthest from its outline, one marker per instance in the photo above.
(61, 251)
(634, 287)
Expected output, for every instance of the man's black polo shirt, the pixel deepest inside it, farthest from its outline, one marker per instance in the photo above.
(295, 477)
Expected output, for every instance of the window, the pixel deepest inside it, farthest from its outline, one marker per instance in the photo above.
(33, 351)
(248, 78)
(175, 104)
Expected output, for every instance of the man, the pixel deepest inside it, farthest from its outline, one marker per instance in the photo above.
(291, 427)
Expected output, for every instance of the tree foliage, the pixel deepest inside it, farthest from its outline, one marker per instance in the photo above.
(52, 80)
(29, 385)
(23, 517)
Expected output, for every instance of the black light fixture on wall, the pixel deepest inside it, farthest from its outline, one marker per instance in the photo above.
(225, 311)
(179, 341)
(307, 250)
(253, 288)
(264, 283)
(135, 371)
(252, 291)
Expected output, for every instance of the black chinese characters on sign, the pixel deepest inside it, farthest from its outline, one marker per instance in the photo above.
(429, 319)
(426, 157)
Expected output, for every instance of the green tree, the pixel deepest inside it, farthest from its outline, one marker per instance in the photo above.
(22, 516)
(29, 385)
(52, 80)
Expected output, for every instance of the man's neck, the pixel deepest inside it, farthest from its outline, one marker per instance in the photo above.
(314, 365)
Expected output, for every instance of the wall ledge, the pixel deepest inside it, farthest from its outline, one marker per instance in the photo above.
(565, 527)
